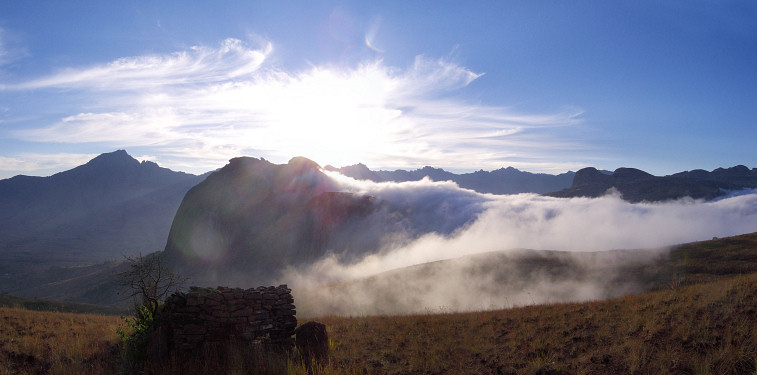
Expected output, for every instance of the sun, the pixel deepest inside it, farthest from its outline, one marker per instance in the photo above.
(329, 116)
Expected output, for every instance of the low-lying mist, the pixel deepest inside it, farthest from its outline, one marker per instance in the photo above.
(478, 234)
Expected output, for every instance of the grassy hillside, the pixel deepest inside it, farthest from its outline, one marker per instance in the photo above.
(43, 305)
(707, 328)
(92, 283)
(701, 319)
(36, 342)
(699, 329)
(514, 278)
(704, 261)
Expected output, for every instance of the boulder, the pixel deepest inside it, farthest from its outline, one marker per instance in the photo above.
(312, 342)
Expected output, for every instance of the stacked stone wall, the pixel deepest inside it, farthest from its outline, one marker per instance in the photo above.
(205, 316)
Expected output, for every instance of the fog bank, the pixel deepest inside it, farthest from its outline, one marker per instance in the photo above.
(464, 223)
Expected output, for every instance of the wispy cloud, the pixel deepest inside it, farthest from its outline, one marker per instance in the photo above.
(3, 52)
(35, 162)
(199, 65)
(214, 103)
(9, 50)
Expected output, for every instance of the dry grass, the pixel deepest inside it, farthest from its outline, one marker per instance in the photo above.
(701, 329)
(231, 360)
(705, 322)
(35, 342)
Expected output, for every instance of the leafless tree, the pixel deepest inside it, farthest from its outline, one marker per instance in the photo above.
(148, 280)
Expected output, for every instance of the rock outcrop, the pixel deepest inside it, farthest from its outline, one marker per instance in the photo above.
(252, 219)
(312, 342)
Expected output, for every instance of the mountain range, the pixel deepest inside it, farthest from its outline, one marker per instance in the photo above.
(635, 185)
(500, 181)
(251, 220)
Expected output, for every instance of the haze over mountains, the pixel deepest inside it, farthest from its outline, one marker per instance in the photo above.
(501, 181)
(110, 206)
(257, 223)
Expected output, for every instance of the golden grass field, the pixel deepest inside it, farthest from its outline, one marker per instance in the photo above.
(36, 342)
(700, 329)
(705, 322)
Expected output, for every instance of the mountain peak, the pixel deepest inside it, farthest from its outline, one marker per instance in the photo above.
(509, 171)
(631, 173)
(118, 158)
(736, 171)
(589, 175)
(303, 162)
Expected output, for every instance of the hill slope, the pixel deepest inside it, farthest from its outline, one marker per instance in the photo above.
(523, 277)
(702, 328)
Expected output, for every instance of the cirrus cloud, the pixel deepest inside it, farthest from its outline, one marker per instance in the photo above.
(230, 60)
(207, 104)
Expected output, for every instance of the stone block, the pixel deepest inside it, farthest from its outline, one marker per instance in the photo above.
(194, 300)
(194, 329)
(270, 296)
(242, 313)
(194, 339)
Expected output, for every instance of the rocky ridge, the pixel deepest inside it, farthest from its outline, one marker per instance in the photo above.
(635, 185)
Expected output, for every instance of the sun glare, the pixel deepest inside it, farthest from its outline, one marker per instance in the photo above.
(326, 115)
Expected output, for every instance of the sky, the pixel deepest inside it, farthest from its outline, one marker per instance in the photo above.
(543, 86)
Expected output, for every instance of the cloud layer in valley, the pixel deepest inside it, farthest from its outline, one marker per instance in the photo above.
(194, 109)
(489, 223)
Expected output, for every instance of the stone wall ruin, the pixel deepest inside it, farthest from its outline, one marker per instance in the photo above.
(204, 317)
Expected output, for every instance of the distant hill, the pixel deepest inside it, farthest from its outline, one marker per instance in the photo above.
(501, 181)
(89, 284)
(635, 185)
(95, 212)
(43, 305)
(501, 279)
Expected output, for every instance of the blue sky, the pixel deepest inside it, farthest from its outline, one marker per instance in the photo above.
(544, 86)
